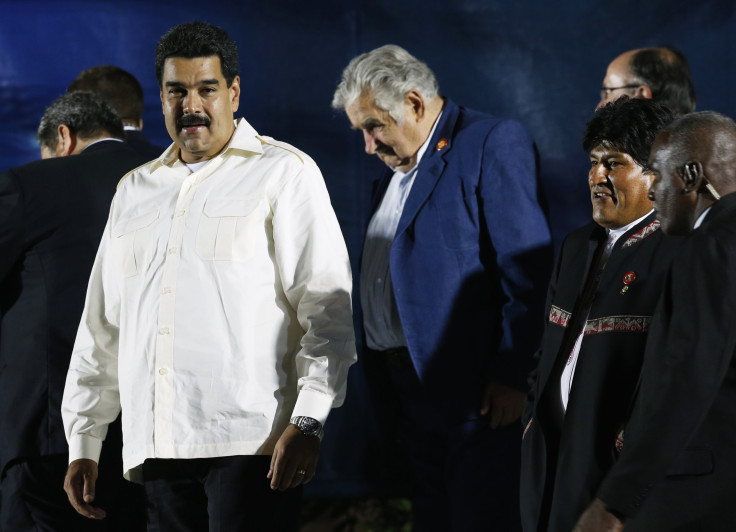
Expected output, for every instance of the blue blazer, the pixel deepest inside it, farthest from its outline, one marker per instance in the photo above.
(471, 259)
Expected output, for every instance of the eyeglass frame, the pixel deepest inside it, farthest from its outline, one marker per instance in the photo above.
(605, 91)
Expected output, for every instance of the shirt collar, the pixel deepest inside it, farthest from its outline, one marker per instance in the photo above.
(244, 142)
(615, 234)
(102, 140)
(701, 218)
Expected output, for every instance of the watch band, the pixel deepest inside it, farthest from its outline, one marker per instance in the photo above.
(308, 426)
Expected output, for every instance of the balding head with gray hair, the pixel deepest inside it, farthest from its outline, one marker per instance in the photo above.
(388, 73)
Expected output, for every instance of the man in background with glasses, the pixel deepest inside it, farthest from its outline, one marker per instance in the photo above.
(661, 74)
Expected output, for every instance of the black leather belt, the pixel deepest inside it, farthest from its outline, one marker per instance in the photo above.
(397, 357)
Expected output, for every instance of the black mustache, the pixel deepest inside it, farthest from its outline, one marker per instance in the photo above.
(192, 120)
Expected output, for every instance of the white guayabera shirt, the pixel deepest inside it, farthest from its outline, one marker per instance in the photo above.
(218, 307)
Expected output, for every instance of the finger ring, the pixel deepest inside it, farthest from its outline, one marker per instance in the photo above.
(301, 471)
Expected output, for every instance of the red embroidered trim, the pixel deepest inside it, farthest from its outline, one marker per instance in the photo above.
(601, 325)
(618, 324)
(619, 442)
(559, 316)
(642, 234)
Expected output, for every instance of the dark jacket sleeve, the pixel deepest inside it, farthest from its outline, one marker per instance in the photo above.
(520, 236)
(11, 222)
(533, 380)
(688, 357)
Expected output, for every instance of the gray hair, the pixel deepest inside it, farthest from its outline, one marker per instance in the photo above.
(388, 72)
(86, 115)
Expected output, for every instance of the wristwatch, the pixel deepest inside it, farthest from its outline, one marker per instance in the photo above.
(308, 426)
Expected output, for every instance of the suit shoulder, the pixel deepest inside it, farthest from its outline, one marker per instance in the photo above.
(579, 236)
(27, 175)
(470, 118)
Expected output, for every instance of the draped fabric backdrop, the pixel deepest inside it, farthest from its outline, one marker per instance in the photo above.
(539, 62)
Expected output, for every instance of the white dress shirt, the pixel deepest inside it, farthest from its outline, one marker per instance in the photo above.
(218, 307)
(380, 315)
(569, 372)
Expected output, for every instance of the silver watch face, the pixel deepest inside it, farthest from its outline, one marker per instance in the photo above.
(308, 425)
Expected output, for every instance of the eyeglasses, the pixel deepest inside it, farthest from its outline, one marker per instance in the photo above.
(606, 91)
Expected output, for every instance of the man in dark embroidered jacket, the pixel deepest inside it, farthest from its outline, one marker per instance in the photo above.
(601, 297)
(677, 471)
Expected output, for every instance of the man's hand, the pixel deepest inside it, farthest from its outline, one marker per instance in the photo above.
(79, 485)
(505, 404)
(597, 519)
(294, 459)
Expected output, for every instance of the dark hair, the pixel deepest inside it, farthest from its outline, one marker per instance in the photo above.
(198, 39)
(86, 115)
(666, 72)
(116, 86)
(628, 126)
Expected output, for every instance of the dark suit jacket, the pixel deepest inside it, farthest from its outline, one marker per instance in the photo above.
(470, 258)
(52, 214)
(564, 463)
(138, 141)
(677, 471)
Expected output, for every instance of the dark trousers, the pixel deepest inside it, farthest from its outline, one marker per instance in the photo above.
(226, 494)
(466, 475)
(34, 500)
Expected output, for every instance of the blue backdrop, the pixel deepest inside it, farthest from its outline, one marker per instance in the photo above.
(537, 61)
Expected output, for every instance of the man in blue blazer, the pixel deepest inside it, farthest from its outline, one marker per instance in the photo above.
(455, 263)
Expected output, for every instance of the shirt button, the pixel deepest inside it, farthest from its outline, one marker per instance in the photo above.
(172, 251)
(163, 330)
(181, 213)
(163, 371)
(166, 290)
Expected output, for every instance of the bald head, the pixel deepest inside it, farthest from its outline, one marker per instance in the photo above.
(660, 73)
(694, 164)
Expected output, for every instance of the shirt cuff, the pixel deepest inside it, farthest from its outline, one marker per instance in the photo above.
(83, 446)
(313, 404)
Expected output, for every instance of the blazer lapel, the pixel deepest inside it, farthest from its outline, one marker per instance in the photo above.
(430, 167)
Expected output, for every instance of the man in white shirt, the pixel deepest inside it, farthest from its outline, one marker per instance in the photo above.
(218, 315)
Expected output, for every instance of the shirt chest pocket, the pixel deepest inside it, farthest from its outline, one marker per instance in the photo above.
(133, 243)
(228, 228)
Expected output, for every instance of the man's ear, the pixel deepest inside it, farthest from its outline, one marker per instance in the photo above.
(415, 101)
(67, 141)
(692, 176)
(643, 91)
(235, 93)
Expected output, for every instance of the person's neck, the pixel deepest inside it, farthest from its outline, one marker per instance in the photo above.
(434, 108)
